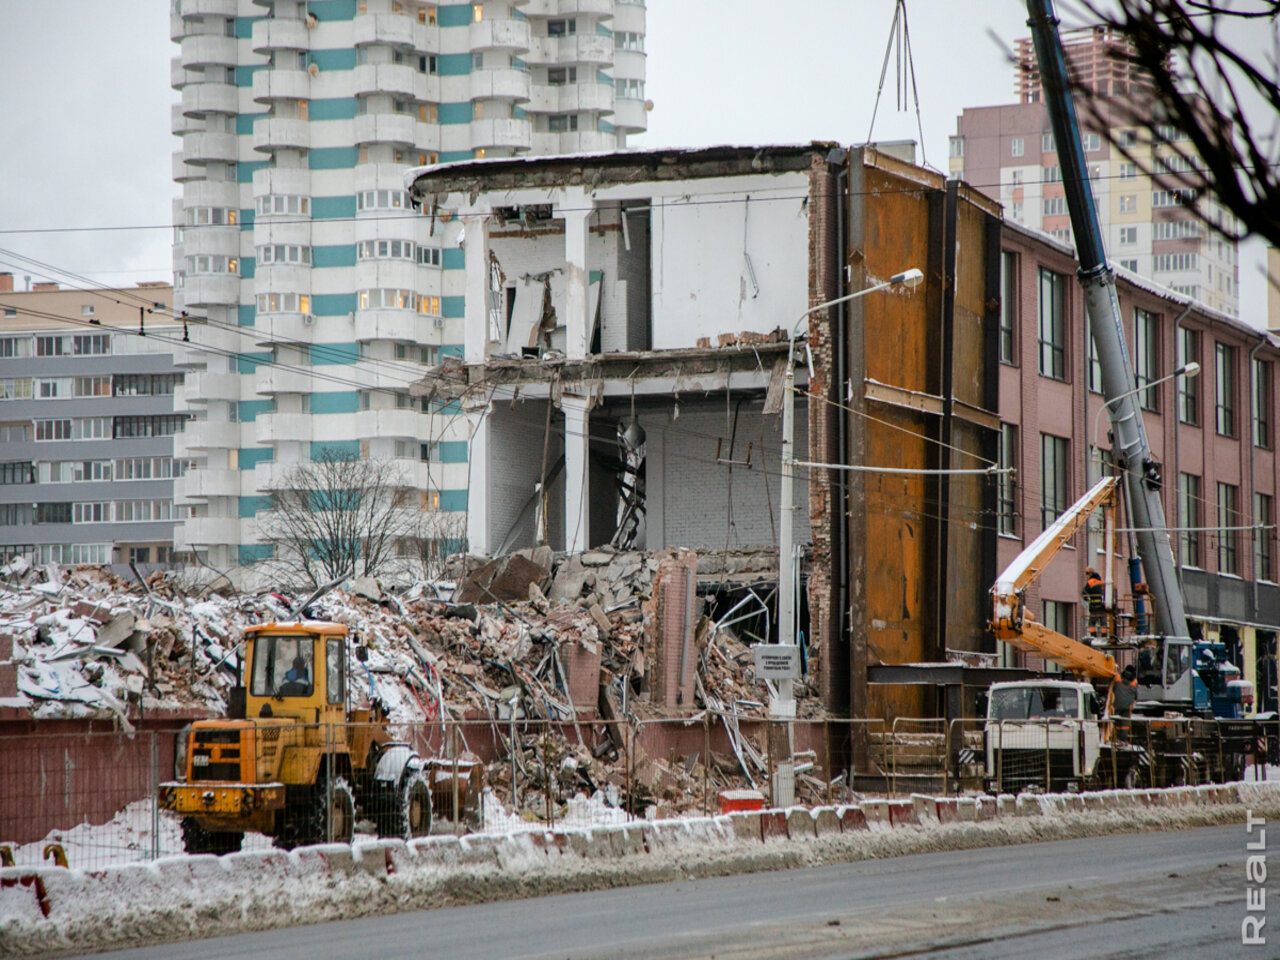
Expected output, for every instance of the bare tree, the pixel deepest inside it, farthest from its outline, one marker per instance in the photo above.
(1212, 107)
(441, 535)
(338, 516)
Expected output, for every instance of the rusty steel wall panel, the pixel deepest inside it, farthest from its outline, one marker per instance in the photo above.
(972, 368)
(919, 543)
(895, 343)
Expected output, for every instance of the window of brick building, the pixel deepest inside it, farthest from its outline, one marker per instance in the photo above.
(1053, 336)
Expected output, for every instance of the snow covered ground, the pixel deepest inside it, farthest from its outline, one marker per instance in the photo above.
(55, 911)
(138, 833)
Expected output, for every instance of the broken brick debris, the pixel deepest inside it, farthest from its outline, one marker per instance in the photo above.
(586, 647)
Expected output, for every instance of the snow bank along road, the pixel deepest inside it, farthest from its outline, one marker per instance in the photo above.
(51, 910)
(1171, 894)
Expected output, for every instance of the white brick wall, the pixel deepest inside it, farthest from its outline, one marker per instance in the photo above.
(528, 256)
(515, 465)
(701, 500)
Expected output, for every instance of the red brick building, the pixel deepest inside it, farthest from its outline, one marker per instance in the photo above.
(1214, 434)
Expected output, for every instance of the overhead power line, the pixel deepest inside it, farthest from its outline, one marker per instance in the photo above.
(756, 197)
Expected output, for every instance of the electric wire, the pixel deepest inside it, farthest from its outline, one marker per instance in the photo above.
(682, 202)
(138, 296)
(115, 295)
(1029, 499)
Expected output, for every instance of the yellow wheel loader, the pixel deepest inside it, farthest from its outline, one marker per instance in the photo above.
(293, 761)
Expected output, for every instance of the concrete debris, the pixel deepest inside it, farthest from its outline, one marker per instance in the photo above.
(366, 587)
(119, 629)
(505, 579)
(592, 645)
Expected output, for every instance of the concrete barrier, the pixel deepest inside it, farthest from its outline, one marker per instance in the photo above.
(773, 825)
(436, 851)
(746, 826)
(851, 818)
(257, 863)
(947, 809)
(378, 858)
(23, 896)
(700, 830)
(522, 852)
(203, 868)
(902, 813)
(877, 814)
(800, 825)
(924, 809)
(1028, 805)
(180, 895)
(631, 840)
(825, 822)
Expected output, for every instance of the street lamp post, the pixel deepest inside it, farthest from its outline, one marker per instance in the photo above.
(1188, 370)
(784, 704)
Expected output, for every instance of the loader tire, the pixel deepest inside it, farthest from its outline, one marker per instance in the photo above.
(331, 803)
(196, 839)
(412, 814)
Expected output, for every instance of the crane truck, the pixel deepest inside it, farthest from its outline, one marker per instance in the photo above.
(1051, 732)
(1048, 731)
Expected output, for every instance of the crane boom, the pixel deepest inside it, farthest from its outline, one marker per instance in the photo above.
(1131, 451)
(1010, 620)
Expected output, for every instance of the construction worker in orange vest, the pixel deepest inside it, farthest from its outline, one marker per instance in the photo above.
(1095, 604)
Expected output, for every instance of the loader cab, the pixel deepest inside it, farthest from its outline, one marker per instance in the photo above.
(1217, 682)
(296, 670)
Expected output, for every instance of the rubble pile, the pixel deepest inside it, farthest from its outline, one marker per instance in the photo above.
(561, 660)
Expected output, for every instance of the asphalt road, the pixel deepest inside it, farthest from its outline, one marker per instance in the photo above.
(1178, 894)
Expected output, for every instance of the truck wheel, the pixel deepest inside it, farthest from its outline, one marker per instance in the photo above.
(196, 839)
(332, 803)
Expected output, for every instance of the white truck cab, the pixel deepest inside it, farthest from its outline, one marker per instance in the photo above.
(1041, 735)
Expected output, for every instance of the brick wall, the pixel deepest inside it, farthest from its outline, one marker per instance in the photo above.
(705, 502)
(828, 663)
(1037, 405)
(581, 662)
(515, 464)
(668, 626)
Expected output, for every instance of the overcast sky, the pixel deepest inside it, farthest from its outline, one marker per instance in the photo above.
(86, 106)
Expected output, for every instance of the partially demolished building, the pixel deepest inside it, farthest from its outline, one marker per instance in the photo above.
(626, 339)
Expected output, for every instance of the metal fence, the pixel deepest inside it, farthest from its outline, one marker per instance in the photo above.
(93, 799)
(86, 796)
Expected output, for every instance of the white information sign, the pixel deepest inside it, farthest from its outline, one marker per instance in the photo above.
(777, 661)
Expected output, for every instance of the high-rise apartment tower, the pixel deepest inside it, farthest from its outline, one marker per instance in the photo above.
(317, 294)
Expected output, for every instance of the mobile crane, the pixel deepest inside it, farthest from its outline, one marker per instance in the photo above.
(1181, 677)
(1049, 732)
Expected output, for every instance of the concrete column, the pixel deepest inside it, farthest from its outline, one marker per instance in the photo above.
(576, 209)
(478, 481)
(577, 422)
(476, 333)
